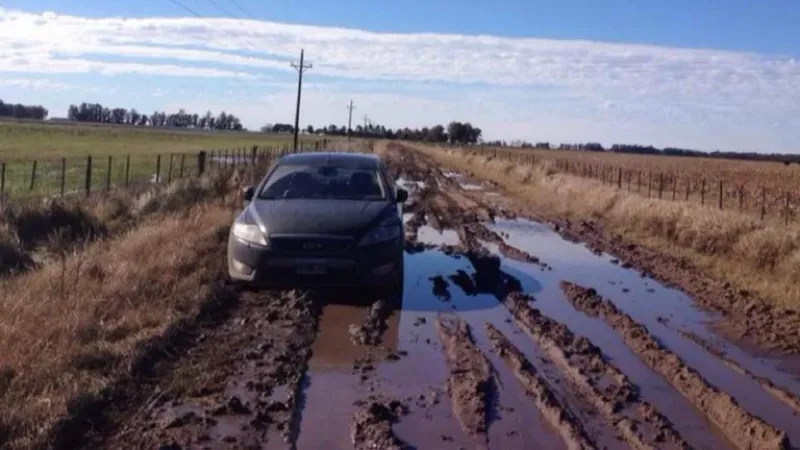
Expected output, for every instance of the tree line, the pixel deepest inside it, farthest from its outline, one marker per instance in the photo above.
(651, 150)
(454, 133)
(20, 111)
(97, 113)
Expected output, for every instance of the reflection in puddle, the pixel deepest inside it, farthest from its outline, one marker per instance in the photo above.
(409, 185)
(429, 235)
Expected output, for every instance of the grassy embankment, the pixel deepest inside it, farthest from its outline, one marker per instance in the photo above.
(100, 287)
(762, 257)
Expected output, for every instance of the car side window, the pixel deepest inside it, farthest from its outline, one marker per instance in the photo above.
(388, 180)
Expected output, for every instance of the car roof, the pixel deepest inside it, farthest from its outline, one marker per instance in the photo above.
(342, 160)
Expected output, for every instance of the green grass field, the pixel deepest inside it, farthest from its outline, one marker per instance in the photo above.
(52, 145)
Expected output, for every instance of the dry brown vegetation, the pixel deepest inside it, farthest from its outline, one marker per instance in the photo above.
(754, 187)
(762, 257)
(103, 280)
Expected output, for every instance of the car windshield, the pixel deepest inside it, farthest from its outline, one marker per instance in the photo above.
(323, 182)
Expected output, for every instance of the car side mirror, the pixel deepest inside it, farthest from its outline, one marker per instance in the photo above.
(248, 193)
(402, 196)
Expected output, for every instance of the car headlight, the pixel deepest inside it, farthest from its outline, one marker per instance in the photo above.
(246, 229)
(386, 231)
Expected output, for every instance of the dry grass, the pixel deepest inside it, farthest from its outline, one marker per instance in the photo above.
(68, 329)
(755, 187)
(32, 231)
(95, 282)
(761, 257)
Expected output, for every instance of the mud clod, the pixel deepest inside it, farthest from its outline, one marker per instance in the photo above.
(372, 425)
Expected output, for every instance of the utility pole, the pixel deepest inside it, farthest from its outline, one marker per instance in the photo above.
(300, 68)
(350, 120)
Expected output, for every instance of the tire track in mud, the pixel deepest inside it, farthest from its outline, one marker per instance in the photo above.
(776, 391)
(470, 380)
(556, 414)
(609, 390)
(240, 386)
(743, 429)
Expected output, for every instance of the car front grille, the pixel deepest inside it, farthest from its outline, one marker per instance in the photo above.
(309, 245)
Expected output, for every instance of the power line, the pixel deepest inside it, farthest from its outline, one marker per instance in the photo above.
(300, 69)
(239, 7)
(186, 8)
(224, 11)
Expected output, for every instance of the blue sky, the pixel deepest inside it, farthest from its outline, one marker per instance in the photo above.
(709, 74)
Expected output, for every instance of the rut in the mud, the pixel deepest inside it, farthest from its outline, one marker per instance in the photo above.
(556, 414)
(239, 385)
(787, 397)
(609, 390)
(748, 319)
(469, 383)
(742, 428)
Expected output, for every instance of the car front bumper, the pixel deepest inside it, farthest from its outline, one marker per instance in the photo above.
(376, 265)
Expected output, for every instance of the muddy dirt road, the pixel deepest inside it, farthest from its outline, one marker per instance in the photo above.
(506, 335)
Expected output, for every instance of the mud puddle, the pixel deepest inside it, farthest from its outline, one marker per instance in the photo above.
(652, 305)
(410, 185)
(471, 186)
(409, 365)
(644, 298)
(429, 235)
(692, 425)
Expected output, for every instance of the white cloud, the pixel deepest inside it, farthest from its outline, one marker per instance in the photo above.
(602, 87)
(34, 84)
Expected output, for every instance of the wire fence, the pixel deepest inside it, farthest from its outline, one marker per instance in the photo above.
(93, 173)
(713, 191)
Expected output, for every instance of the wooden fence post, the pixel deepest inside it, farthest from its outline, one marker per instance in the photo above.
(703, 192)
(660, 185)
(619, 178)
(763, 202)
(720, 194)
(253, 155)
(183, 161)
(2, 178)
(688, 187)
(201, 162)
(169, 174)
(33, 175)
(108, 174)
(127, 169)
(158, 169)
(88, 181)
(649, 184)
(674, 186)
(63, 175)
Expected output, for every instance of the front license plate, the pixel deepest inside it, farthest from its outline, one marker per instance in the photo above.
(311, 269)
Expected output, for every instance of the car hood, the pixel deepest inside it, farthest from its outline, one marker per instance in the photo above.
(303, 216)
